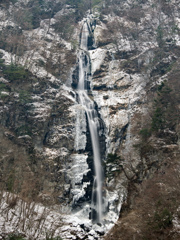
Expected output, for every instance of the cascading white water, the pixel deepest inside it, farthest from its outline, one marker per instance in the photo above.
(88, 104)
(84, 37)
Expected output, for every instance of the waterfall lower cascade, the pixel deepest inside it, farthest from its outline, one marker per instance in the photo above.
(93, 123)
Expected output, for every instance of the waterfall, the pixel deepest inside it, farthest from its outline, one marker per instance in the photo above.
(93, 123)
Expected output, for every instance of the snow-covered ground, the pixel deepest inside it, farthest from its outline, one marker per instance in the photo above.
(35, 221)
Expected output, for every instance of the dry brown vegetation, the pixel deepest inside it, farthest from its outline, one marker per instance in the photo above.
(16, 175)
(151, 213)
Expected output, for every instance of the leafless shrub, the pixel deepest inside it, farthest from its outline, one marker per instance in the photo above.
(135, 14)
(28, 218)
(12, 200)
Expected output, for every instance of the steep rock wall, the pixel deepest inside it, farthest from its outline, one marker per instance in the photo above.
(136, 48)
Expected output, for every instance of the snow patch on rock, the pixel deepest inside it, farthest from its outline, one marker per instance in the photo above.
(78, 170)
(97, 56)
(80, 129)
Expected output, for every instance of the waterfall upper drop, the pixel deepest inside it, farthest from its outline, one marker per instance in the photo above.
(84, 37)
(93, 123)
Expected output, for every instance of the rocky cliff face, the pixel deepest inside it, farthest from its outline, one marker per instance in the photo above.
(46, 153)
